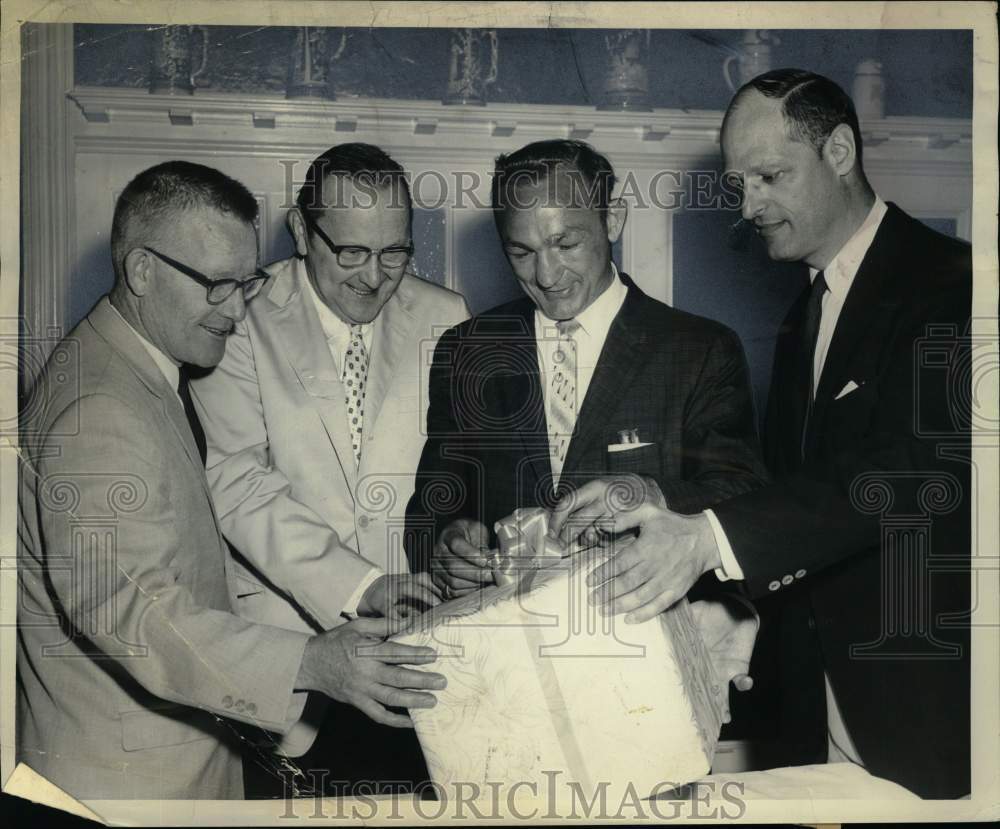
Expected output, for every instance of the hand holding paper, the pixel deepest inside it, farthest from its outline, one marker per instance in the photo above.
(461, 555)
(729, 628)
(666, 559)
(397, 596)
(583, 515)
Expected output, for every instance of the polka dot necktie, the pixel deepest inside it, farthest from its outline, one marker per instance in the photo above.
(562, 394)
(354, 377)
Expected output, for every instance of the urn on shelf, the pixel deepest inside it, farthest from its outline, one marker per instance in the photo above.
(309, 64)
(869, 90)
(173, 62)
(752, 58)
(472, 66)
(626, 80)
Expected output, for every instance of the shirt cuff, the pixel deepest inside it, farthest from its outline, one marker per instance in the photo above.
(351, 606)
(730, 569)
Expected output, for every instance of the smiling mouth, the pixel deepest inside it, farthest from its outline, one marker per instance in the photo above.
(362, 292)
(218, 332)
(768, 229)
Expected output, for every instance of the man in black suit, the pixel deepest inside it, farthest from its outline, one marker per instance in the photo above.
(864, 533)
(584, 378)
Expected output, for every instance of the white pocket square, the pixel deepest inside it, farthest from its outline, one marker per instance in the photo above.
(625, 447)
(851, 386)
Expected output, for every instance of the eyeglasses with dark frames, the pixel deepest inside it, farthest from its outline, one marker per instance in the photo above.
(354, 256)
(218, 290)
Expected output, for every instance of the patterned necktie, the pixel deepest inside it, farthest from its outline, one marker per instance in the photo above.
(810, 334)
(354, 376)
(562, 395)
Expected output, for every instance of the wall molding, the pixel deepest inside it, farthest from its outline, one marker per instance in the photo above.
(47, 190)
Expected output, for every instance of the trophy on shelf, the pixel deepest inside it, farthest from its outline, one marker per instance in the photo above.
(472, 67)
(309, 64)
(172, 69)
(626, 81)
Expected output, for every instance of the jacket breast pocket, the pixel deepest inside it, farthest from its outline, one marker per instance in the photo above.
(642, 460)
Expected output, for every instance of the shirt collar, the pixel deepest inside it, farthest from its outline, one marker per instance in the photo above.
(840, 273)
(596, 318)
(334, 328)
(167, 367)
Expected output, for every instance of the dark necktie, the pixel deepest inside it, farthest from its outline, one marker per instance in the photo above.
(185, 395)
(810, 333)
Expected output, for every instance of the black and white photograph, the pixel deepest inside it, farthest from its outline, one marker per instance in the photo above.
(508, 412)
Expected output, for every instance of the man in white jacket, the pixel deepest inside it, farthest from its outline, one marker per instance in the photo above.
(314, 424)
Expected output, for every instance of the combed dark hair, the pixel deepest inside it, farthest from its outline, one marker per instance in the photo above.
(155, 196)
(813, 106)
(365, 164)
(538, 161)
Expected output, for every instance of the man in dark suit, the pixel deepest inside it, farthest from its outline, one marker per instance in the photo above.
(584, 378)
(864, 533)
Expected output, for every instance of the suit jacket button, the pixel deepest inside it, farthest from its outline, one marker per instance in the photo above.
(786, 580)
(799, 573)
(251, 708)
(811, 623)
(363, 521)
(774, 585)
(227, 701)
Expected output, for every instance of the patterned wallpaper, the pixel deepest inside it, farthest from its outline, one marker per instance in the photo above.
(927, 73)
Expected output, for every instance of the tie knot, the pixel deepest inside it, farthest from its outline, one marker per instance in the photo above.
(356, 330)
(567, 328)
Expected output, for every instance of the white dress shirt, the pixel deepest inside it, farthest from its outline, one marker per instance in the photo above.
(338, 338)
(839, 275)
(168, 367)
(595, 322)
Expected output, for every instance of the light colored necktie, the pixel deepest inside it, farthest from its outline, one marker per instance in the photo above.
(562, 395)
(354, 377)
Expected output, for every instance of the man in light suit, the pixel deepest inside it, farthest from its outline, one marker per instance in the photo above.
(864, 534)
(314, 421)
(133, 673)
(586, 379)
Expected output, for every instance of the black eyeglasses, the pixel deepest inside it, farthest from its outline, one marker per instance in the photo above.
(218, 290)
(354, 256)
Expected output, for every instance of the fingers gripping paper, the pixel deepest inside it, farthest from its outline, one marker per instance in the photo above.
(544, 693)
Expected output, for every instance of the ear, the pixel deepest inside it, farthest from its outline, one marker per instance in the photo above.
(615, 219)
(139, 266)
(297, 227)
(840, 151)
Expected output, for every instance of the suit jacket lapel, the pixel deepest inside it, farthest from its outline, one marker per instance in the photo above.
(306, 349)
(110, 325)
(616, 369)
(864, 304)
(521, 391)
(392, 333)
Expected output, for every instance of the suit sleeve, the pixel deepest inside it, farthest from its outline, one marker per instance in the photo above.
(446, 487)
(130, 598)
(721, 451)
(826, 512)
(284, 540)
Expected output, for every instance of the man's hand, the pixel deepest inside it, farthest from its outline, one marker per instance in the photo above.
(582, 516)
(459, 564)
(399, 597)
(651, 573)
(729, 628)
(354, 664)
